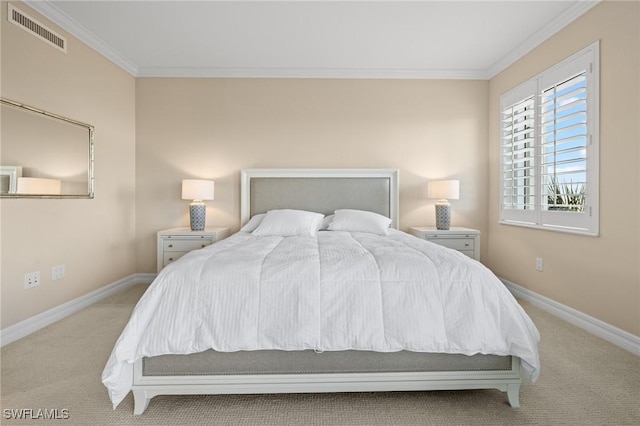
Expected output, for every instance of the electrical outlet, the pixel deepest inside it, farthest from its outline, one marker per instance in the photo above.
(58, 272)
(31, 279)
(539, 264)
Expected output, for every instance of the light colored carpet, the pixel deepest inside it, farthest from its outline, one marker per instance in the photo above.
(584, 380)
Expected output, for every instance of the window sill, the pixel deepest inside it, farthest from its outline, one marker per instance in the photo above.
(564, 230)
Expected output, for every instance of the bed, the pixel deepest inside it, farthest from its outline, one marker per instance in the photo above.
(333, 311)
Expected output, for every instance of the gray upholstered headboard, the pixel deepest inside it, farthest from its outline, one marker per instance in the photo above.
(319, 190)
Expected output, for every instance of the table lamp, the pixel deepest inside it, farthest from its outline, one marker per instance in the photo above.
(198, 191)
(443, 190)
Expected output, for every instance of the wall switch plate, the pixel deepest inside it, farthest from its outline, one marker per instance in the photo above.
(539, 264)
(58, 272)
(31, 279)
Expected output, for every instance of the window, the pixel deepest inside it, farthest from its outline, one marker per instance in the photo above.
(549, 148)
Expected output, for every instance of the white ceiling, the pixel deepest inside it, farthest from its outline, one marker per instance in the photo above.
(351, 39)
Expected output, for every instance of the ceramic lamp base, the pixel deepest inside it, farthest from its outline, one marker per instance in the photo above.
(443, 216)
(198, 216)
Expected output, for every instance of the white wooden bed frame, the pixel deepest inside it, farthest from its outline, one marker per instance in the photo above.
(146, 387)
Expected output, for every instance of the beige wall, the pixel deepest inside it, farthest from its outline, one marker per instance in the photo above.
(95, 238)
(213, 128)
(598, 276)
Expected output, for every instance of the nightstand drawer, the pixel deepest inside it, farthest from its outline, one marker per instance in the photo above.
(464, 240)
(454, 243)
(172, 256)
(185, 244)
(468, 253)
(174, 243)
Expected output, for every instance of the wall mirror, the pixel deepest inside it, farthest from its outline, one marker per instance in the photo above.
(44, 155)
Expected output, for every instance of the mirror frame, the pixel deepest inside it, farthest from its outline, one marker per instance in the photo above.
(90, 165)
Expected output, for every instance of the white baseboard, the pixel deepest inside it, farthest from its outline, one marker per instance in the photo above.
(35, 323)
(608, 332)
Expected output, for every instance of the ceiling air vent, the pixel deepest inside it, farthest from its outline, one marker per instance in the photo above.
(27, 23)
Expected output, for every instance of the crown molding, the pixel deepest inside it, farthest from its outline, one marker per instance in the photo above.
(47, 9)
(63, 20)
(329, 73)
(544, 34)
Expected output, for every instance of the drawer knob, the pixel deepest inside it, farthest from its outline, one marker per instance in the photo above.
(466, 244)
(171, 259)
(170, 245)
(204, 245)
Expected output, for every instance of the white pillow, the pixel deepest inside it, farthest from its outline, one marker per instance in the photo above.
(253, 223)
(360, 221)
(286, 223)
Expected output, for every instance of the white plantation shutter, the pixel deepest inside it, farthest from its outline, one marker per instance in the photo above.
(549, 148)
(517, 155)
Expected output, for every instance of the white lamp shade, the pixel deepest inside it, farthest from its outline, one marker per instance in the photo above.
(444, 189)
(197, 189)
(38, 186)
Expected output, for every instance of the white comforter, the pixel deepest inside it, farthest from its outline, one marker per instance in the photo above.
(338, 291)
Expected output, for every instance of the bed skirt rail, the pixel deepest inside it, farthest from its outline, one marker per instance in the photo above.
(146, 387)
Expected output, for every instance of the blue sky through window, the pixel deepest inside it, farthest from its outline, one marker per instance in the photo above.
(563, 137)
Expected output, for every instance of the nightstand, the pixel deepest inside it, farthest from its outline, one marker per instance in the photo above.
(176, 242)
(464, 240)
